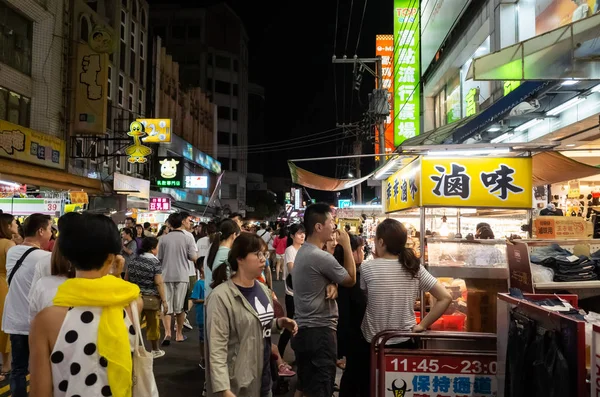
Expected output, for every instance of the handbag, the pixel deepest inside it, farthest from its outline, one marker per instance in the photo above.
(151, 302)
(144, 384)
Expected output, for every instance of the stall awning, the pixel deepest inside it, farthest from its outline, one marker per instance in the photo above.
(553, 167)
(497, 111)
(30, 174)
(311, 180)
(567, 52)
(197, 208)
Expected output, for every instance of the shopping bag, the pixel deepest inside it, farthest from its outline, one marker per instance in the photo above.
(144, 384)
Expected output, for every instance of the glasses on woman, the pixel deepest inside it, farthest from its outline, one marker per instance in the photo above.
(261, 255)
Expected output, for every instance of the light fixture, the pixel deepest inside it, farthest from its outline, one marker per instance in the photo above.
(350, 175)
(565, 106)
(467, 152)
(444, 228)
(501, 138)
(385, 168)
(528, 125)
(571, 145)
(11, 184)
(569, 82)
(494, 129)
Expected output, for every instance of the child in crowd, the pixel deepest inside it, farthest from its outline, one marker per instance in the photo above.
(198, 299)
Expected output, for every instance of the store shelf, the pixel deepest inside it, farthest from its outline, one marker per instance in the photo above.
(573, 285)
(465, 272)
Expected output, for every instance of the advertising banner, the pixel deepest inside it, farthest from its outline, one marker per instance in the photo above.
(157, 130)
(477, 182)
(170, 172)
(407, 71)
(384, 47)
(561, 227)
(28, 206)
(131, 186)
(439, 375)
(91, 69)
(22, 144)
(159, 204)
(402, 189)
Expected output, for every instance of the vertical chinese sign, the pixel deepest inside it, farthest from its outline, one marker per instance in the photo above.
(407, 70)
(159, 204)
(384, 47)
(402, 188)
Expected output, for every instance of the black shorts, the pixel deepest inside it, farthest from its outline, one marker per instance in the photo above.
(316, 353)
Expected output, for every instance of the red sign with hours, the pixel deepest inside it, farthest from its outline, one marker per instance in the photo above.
(441, 376)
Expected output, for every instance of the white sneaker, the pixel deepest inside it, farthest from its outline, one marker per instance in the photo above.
(187, 324)
(158, 353)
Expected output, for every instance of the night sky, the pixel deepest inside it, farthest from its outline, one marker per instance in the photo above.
(291, 46)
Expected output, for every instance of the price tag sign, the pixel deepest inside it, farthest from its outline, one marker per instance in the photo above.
(51, 206)
(448, 376)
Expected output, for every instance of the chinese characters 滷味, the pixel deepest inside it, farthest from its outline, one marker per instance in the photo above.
(456, 184)
(500, 181)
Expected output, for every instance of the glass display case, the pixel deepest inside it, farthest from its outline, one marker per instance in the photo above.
(473, 271)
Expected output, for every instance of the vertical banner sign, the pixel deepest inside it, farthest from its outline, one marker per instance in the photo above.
(407, 70)
(384, 47)
(90, 91)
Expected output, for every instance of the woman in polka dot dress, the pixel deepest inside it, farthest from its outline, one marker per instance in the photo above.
(82, 345)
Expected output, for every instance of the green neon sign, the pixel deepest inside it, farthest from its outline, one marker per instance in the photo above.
(407, 70)
(472, 101)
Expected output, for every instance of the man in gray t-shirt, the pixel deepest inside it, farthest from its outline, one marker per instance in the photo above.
(315, 345)
(174, 251)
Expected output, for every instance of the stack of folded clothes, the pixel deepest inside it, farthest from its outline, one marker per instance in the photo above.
(566, 266)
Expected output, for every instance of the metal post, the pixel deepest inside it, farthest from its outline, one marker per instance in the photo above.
(458, 221)
(381, 126)
(530, 223)
(422, 211)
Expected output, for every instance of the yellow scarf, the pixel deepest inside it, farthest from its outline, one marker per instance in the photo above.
(112, 294)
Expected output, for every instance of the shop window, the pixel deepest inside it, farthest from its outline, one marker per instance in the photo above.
(140, 102)
(118, 161)
(142, 38)
(122, 55)
(234, 139)
(14, 108)
(78, 147)
(128, 167)
(124, 3)
(235, 90)
(453, 101)
(109, 83)
(84, 31)
(223, 112)
(132, 59)
(93, 151)
(234, 165)
(121, 89)
(224, 163)
(222, 62)
(105, 154)
(16, 34)
(134, 8)
(234, 115)
(222, 87)
(142, 72)
(223, 138)
(109, 108)
(132, 36)
(143, 18)
(236, 65)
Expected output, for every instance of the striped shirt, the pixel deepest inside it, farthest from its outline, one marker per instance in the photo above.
(391, 294)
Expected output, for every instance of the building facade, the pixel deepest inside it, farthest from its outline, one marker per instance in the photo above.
(97, 144)
(218, 64)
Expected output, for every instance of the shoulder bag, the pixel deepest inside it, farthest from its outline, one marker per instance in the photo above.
(19, 263)
(144, 384)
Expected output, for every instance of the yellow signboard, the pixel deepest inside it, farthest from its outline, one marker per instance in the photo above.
(402, 189)
(91, 82)
(157, 130)
(476, 182)
(22, 144)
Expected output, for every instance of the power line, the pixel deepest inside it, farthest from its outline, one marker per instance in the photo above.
(349, 24)
(301, 138)
(362, 19)
(291, 144)
(297, 147)
(337, 10)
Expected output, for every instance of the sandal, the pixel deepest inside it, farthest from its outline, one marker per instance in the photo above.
(4, 375)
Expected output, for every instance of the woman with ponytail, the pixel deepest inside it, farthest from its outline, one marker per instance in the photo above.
(393, 282)
(214, 271)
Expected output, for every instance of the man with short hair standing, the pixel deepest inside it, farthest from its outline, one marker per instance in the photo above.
(21, 262)
(174, 251)
(148, 230)
(188, 226)
(130, 223)
(316, 313)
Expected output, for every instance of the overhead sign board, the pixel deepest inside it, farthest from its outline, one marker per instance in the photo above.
(403, 188)
(384, 47)
(157, 130)
(170, 172)
(196, 181)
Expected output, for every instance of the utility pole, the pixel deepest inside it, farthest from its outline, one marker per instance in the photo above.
(375, 103)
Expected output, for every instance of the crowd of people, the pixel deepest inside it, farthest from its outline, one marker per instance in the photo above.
(69, 308)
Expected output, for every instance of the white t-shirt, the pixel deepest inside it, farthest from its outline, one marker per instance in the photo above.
(289, 257)
(266, 236)
(42, 269)
(203, 245)
(42, 294)
(391, 294)
(15, 319)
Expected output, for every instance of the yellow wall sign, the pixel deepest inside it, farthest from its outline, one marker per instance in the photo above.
(22, 144)
(476, 182)
(402, 189)
(157, 130)
(91, 82)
